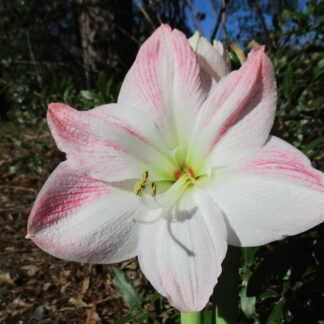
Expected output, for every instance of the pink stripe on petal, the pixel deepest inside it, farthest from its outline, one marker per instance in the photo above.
(81, 219)
(60, 197)
(187, 280)
(68, 124)
(274, 193)
(237, 117)
(110, 143)
(166, 82)
(246, 90)
(279, 159)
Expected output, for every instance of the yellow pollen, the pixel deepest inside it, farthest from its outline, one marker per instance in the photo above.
(153, 189)
(145, 175)
(140, 186)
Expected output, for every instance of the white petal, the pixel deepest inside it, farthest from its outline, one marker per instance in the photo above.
(182, 255)
(209, 57)
(81, 219)
(271, 195)
(166, 83)
(110, 142)
(236, 119)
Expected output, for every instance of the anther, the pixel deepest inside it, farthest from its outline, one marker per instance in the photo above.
(153, 189)
(141, 185)
(139, 188)
(145, 175)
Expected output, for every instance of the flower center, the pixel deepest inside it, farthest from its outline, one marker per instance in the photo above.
(169, 191)
(184, 169)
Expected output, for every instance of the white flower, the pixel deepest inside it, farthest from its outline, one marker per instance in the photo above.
(194, 143)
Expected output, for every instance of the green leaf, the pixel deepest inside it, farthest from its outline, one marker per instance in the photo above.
(257, 321)
(37, 163)
(247, 303)
(309, 270)
(276, 314)
(109, 87)
(249, 254)
(235, 62)
(287, 275)
(122, 284)
(102, 81)
(288, 82)
(311, 145)
(89, 95)
(14, 168)
(124, 319)
(134, 317)
(268, 293)
(299, 16)
(207, 317)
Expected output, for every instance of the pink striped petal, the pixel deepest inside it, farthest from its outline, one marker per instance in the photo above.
(271, 195)
(181, 255)
(209, 57)
(166, 82)
(110, 142)
(81, 219)
(236, 119)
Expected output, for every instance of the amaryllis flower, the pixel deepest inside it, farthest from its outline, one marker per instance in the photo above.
(180, 167)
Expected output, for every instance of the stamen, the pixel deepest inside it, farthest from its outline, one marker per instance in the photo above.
(139, 188)
(140, 185)
(145, 175)
(153, 189)
(154, 220)
(192, 173)
(183, 170)
(177, 174)
(141, 221)
(151, 202)
(168, 198)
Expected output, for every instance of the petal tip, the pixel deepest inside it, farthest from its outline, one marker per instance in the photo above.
(258, 51)
(29, 236)
(57, 113)
(55, 107)
(163, 28)
(257, 56)
(260, 48)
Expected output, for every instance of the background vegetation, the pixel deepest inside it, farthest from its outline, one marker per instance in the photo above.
(78, 52)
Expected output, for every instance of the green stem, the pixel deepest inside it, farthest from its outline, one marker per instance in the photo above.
(191, 318)
(226, 293)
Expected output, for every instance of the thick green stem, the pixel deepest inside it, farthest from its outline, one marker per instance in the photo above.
(226, 293)
(191, 318)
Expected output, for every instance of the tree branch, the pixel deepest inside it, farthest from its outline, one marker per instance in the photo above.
(254, 5)
(224, 4)
(218, 21)
(195, 17)
(146, 15)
